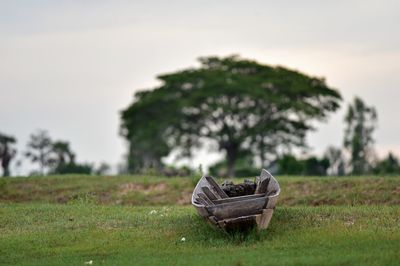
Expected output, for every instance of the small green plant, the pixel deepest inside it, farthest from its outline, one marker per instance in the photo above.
(85, 198)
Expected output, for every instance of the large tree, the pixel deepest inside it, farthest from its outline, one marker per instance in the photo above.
(358, 140)
(7, 152)
(238, 104)
(146, 125)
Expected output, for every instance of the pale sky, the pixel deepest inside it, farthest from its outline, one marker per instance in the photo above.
(70, 66)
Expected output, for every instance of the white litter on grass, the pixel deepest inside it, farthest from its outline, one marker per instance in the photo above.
(183, 239)
(153, 212)
(349, 223)
(90, 262)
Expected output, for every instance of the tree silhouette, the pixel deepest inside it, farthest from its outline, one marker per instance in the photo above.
(39, 150)
(62, 153)
(336, 160)
(360, 125)
(388, 166)
(7, 152)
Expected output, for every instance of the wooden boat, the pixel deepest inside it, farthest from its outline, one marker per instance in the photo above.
(236, 213)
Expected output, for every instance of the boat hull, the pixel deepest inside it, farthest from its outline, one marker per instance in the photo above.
(232, 213)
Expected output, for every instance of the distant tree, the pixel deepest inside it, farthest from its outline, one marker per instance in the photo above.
(18, 165)
(7, 152)
(39, 150)
(122, 167)
(62, 153)
(236, 103)
(63, 160)
(74, 168)
(145, 125)
(360, 125)
(244, 167)
(337, 162)
(102, 169)
(289, 165)
(53, 157)
(388, 166)
(312, 166)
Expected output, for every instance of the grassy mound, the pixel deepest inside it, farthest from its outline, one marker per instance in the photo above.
(142, 190)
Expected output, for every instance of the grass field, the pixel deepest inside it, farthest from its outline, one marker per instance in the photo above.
(71, 220)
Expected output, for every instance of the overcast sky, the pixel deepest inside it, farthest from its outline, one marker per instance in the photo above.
(70, 66)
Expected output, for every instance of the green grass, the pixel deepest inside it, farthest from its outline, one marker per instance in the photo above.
(69, 220)
(54, 234)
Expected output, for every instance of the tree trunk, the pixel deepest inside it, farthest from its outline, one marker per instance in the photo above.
(5, 161)
(6, 171)
(231, 153)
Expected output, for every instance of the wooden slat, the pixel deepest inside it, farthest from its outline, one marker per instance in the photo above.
(233, 199)
(262, 186)
(264, 219)
(241, 219)
(216, 187)
(202, 201)
(204, 197)
(221, 224)
(213, 220)
(209, 193)
(238, 208)
(202, 211)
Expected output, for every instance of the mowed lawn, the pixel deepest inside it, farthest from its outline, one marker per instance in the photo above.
(86, 228)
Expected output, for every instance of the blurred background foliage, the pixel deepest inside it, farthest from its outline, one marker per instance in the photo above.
(256, 115)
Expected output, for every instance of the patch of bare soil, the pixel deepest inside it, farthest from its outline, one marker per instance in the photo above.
(185, 198)
(126, 188)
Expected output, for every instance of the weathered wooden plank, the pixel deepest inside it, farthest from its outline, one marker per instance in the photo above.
(264, 219)
(209, 193)
(262, 186)
(240, 223)
(202, 201)
(213, 220)
(271, 202)
(219, 201)
(204, 197)
(238, 208)
(273, 187)
(221, 224)
(263, 181)
(216, 187)
(202, 211)
(241, 219)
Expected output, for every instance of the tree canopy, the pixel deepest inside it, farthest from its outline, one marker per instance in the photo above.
(238, 104)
